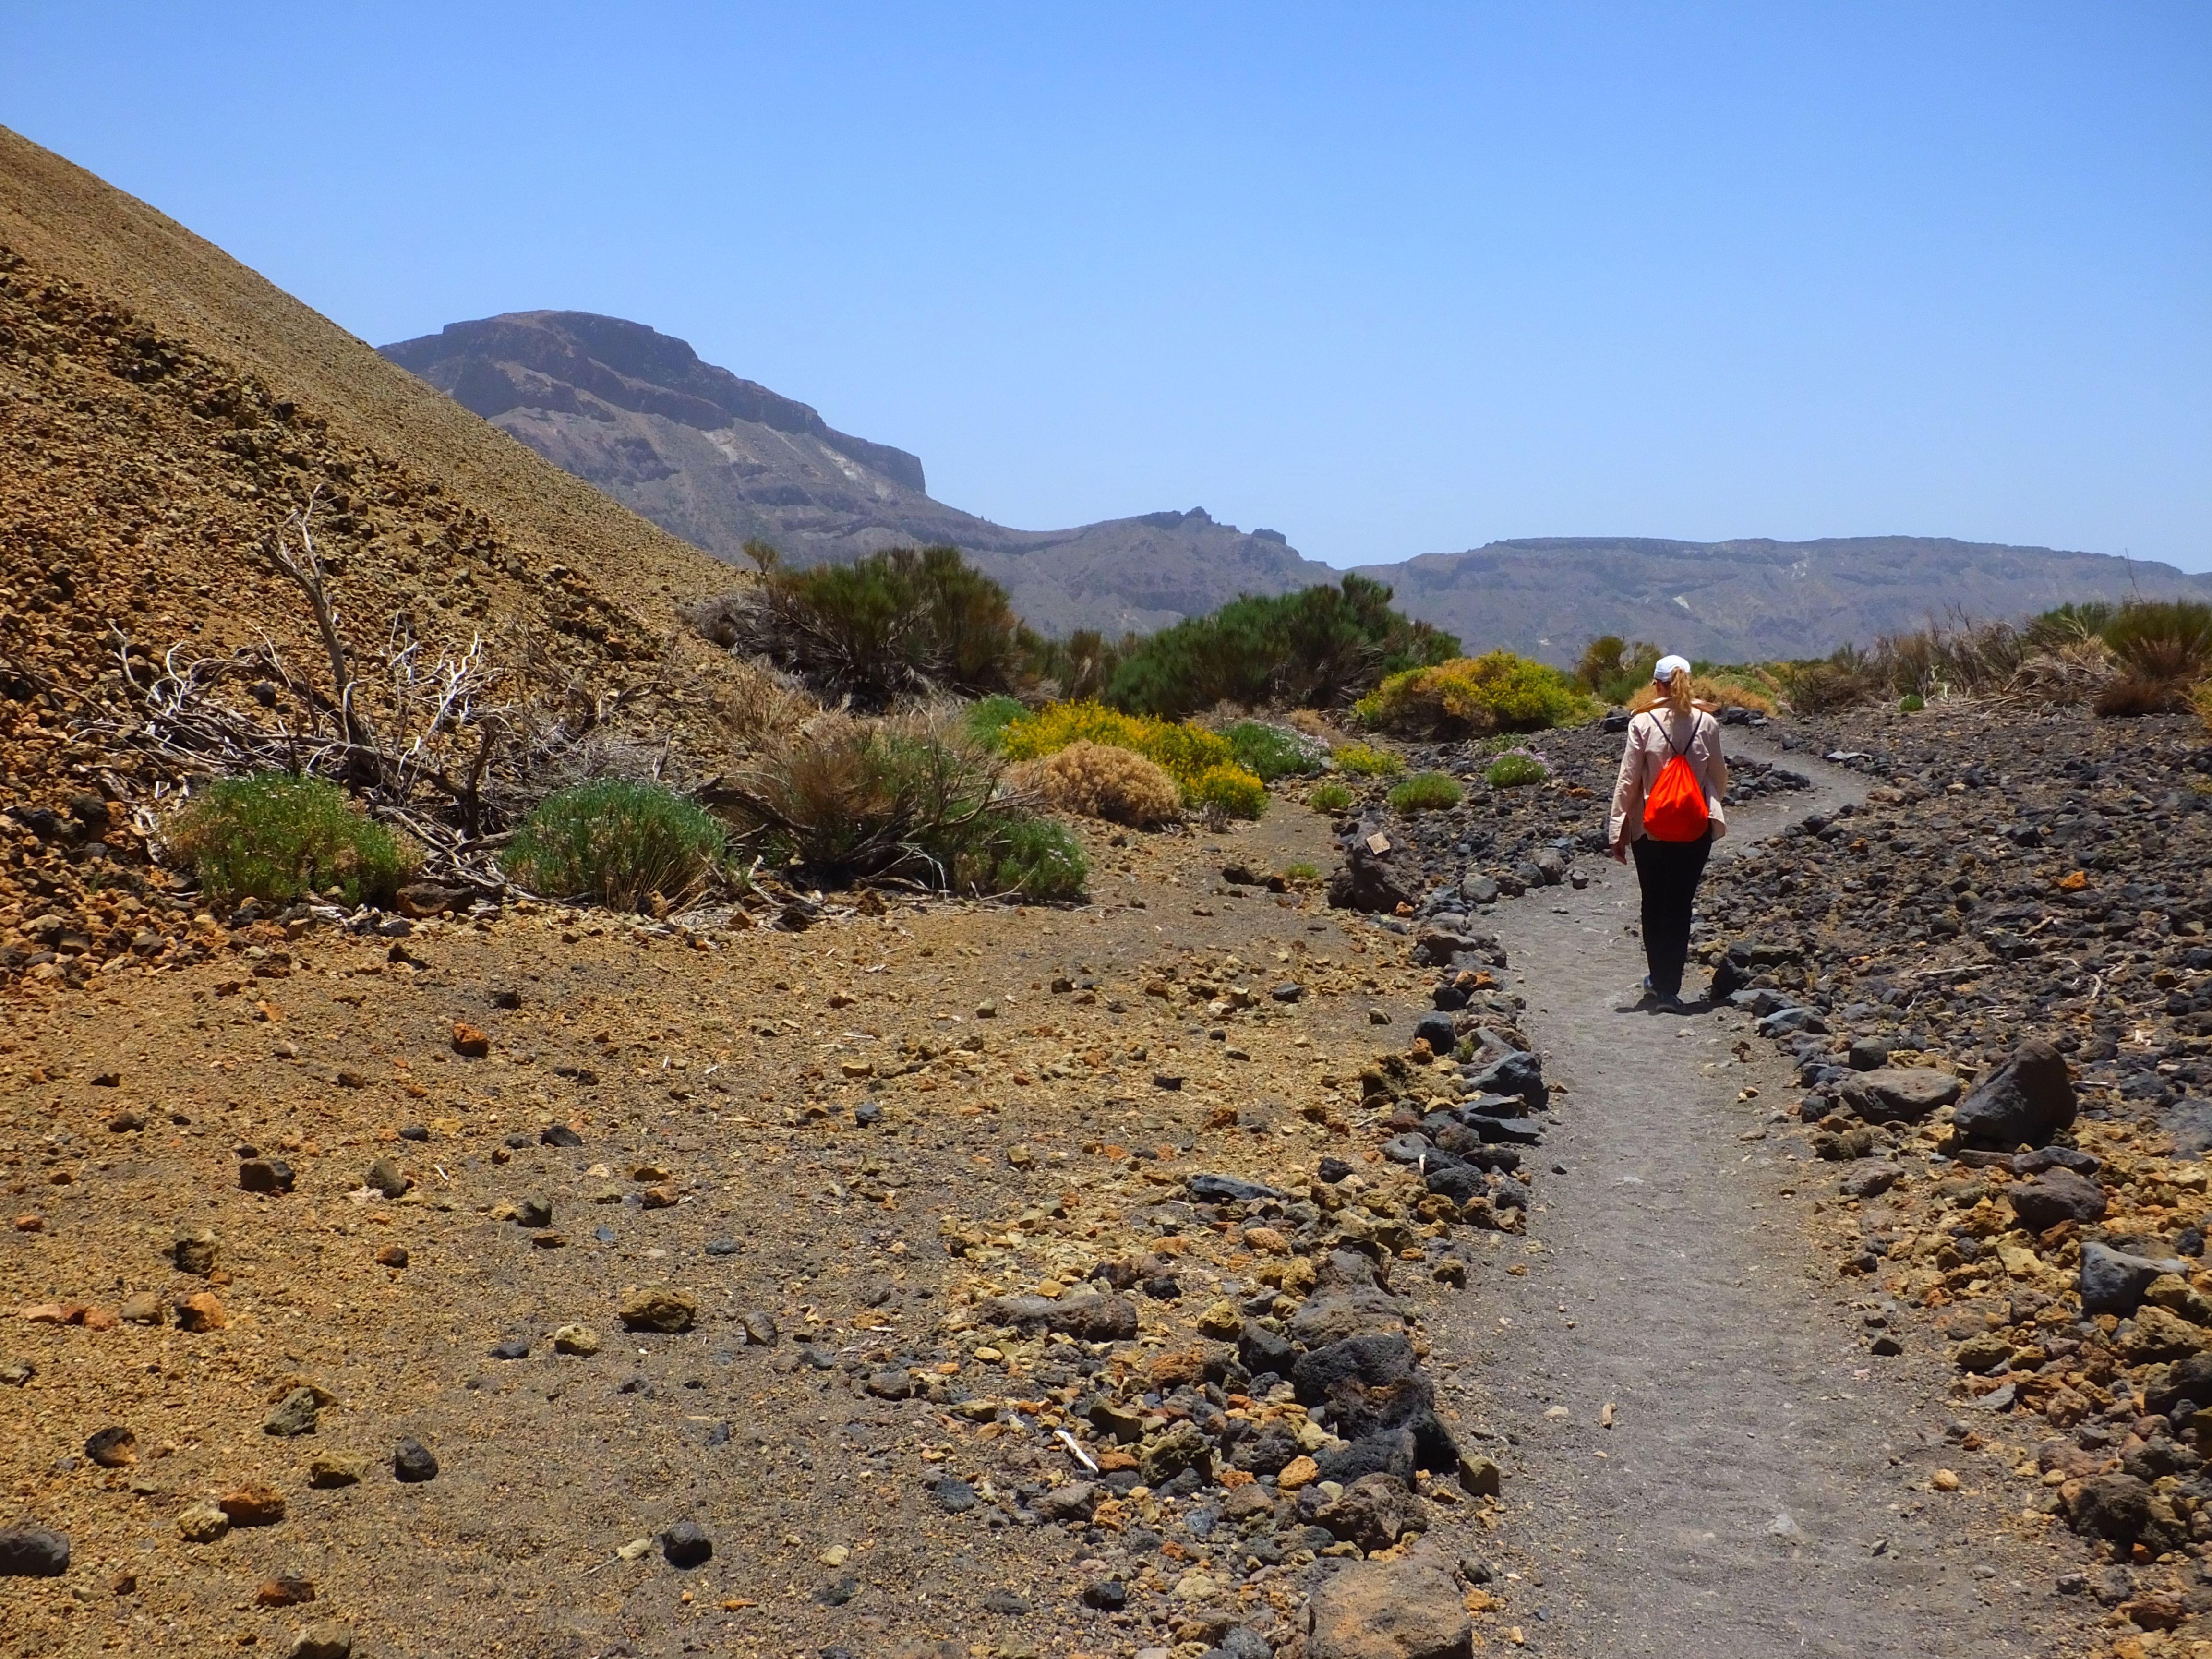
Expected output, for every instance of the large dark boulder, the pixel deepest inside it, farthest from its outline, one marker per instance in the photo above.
(2113, 1281)
(2110, 1506)
(1513, 1072)
(2056, 1196)
(1374, 883)
(1899, 1094)
(2023, 1103)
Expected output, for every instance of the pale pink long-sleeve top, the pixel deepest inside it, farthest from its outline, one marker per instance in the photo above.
(1654, 736)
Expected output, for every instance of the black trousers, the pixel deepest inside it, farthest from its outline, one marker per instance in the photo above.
(1668, 873)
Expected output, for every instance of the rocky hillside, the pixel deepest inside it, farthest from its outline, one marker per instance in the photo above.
(719, 460)
(1753, 601)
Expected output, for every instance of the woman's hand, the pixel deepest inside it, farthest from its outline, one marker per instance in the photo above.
(1619, 850)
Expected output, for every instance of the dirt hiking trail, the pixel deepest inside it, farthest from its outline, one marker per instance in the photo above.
(1763, 1486)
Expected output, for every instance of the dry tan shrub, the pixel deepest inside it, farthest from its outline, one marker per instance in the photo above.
(1097, 780)
(2067, 675)
(1314, 724)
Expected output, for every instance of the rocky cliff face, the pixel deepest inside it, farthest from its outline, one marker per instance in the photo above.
(719, 460)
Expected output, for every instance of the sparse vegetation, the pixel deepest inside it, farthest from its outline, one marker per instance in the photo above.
(1316, 649)
(279, 837)
(1270, 752)
(1911, 703)
(1302, 871)
(2163, 649)
(617, 843)
(1098, 781)
(1329, 798)
(1516, 769)
(1019, 856)
(1425, 792)
(1363, 762)
(1473, 697)
(903, 623)
(1229, 792)
(987, 718)
(1189, 754)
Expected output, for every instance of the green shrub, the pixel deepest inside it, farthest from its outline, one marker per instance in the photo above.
(1178, 748)
(2167, 640)
(1474, 697)
(1329, 798)
(1228, 792)
(1363, 762)
(1302, 872)
(1425, 792)
(987, 718)
(1515, 769)
(280, 837)
(1311, 649)
(1018, 856)
(617, 843)
(1911, 703)
(905, 623)
(1270, 752)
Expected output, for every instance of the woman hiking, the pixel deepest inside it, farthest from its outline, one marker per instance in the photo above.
(1667, 809)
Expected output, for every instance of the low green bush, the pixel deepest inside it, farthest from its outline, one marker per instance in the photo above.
(1515, 769)
(1329, 798)
(1911, 703)
(904, 623)
(1311, 649)
(1021, 857)
(1473, 697)
(1269, 752)
(617, 843)
(1363, 762)
(1228, 792)
(280, 837)
(1425, 792)
(1302, 871)
(987, 718)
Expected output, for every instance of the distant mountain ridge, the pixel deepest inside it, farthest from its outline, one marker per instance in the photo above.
(718, 460)
(1750, 599)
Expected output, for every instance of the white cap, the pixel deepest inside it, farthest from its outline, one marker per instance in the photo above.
(1667, 667)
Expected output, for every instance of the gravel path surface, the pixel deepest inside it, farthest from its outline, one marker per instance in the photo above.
(1764, 1484)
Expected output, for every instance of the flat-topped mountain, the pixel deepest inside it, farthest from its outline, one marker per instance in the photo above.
(719, 460)
(1750, 600)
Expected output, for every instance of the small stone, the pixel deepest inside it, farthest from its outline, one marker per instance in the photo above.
(1944, 1481)
(412, 1462)
(2056, 1196)
(1481, 1475)
(1221, 1320)
(295, 1414)
(252, 1506)
(1388, 1610)
(327, 1639)
(328, 1469)
(194, 1252)
(202, 1522)
(392, 1255)
(114, 1448)
(1107, 1594)
(1298, 1473)
(533, 1210)
(954, 1496)
(761, 1329)
(579, 1340)
(986, 1009)
(141, 1307)
(659, 1308)
(201, 1312)
(1010, 1603)
(271, 1176)
(284, 1591)
(30, 1551)
(470, 1042)
(513, 1348)
(1021, 1155)
(686, 1545)
(385, 1176)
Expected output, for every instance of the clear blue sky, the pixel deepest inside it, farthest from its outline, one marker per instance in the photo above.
(1390, 280)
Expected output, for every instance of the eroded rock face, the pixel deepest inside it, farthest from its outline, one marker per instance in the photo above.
(1388, 1610)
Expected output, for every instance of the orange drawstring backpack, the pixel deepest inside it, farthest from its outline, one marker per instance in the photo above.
(1676, 808)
